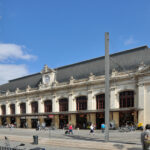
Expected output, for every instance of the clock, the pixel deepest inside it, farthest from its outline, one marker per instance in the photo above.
(47, 79)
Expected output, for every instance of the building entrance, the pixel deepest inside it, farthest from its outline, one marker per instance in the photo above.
(22, 123)
(12, 120)
(81, 121)
(4, 123)
(34, 123)
(126, 118)
(48, 122)
(63, 121)
(99, 120)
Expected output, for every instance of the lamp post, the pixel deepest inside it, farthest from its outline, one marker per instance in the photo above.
(107, 101)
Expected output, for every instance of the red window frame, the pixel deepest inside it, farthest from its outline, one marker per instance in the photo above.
(34, 107)
(48, 106)
(81, 103)
(23, 108)
(3, 108)
(12, 108)
(126, 99)
(63, 104)
(100, 101)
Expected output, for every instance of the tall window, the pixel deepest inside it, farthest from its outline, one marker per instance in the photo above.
(3, 108)
(100, 101)
(48, 106)
(63, 104)
(126, 99)
(81, 103)
(22, 108)
(34, 107)
(12, 108)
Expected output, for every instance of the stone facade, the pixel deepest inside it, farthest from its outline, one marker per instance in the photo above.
(49, 89)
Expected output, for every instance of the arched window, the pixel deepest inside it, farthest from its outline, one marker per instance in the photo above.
(12, 108)
(3, 108)
(63, 104)
(126, 99)
(34, 107)
(22, 108)
(81, 103)
(100, 101)
(48, 106)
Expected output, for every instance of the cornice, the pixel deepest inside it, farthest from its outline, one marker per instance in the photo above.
(95, 80)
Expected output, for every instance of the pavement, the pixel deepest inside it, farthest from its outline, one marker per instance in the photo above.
(80, 140)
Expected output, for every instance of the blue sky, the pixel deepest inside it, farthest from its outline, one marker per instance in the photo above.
(62, 32)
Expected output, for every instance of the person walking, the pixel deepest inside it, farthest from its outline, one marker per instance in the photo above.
(145, 136)
(91, 129)
(70, 129)
(103, 127)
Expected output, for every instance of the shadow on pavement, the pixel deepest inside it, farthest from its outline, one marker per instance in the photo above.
(134, 148)
(89, 138)
(118, 146)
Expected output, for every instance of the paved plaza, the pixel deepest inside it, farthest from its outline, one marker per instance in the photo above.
(80, 140)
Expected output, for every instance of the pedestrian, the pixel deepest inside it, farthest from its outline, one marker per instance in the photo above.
(70, 129)
(103, 127)
(92, 129)
(145, 136)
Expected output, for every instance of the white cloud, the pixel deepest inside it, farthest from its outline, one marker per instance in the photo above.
(13, 51)
(130, 41)
(9, 72)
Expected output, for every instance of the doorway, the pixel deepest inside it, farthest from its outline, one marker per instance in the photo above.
(48, 122)
(34, 123)
(63, 121)
(99, 120)
(81, 121)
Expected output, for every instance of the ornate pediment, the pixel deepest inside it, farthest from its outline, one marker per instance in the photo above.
(48, 77)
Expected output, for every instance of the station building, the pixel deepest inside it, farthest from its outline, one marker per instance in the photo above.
(75, 94)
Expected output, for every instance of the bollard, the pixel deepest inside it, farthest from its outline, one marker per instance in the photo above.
(35, 139)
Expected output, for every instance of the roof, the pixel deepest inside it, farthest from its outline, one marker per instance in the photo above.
(121, 61)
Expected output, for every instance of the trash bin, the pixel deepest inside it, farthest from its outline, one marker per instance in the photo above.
(35, 139)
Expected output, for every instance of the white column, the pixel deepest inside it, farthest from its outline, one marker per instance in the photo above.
(91, 103)
(28, 106)
(55, 104)
(17, 107)
(114, 102)
(40, 105)
(72, 102)
(141, 103)
(141, 96)
(0, 109)
(7, 108)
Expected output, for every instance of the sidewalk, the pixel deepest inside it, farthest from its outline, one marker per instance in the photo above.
(68, 143)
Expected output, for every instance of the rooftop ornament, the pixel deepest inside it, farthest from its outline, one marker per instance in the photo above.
(28, 88)
(141, 66)
(114, 72)
(7, 92)
(46, 69)
(72, 80)
(17, 90)
(91, 76)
